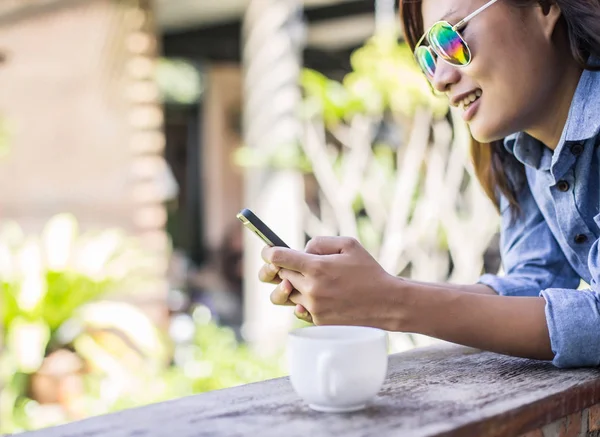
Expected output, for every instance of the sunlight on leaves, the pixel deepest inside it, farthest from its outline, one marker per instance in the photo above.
(27, 341)
(58, 239)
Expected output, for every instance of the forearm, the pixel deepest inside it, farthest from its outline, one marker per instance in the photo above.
(509, 325)
(472, 288)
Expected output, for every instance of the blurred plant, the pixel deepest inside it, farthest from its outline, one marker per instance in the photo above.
(211, 359)
(384, 78)
(44, 281)
(179, 81)
(385, 84)
(47, 277)
(67, 354)
(119, 374)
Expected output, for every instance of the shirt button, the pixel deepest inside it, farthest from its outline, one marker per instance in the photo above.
(581, 238)
(563, 186)
(577, 149)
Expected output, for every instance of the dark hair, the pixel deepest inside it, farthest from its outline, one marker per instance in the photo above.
(494, 166)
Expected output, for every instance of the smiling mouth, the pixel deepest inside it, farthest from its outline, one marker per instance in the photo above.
(470, 99)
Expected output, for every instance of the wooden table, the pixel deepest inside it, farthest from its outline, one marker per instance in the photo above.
(437, 391)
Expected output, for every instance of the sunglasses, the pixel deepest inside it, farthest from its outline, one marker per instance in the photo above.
(445, 42)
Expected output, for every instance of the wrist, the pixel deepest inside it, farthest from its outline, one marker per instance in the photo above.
(420, 306)
(405, 309)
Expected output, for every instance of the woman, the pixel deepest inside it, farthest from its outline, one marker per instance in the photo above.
(523, 74)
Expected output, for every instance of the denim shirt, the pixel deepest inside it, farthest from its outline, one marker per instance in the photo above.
(553, 245)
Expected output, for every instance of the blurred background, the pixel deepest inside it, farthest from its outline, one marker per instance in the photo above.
(133, 131)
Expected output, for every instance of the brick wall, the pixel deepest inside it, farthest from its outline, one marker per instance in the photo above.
(585, 423)
(78, 94)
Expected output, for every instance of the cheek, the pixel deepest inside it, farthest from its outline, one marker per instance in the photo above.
(507, 106)
(508, 65)
(496, 114)
(512, 96)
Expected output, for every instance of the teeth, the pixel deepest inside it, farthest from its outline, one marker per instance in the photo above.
(466, 102)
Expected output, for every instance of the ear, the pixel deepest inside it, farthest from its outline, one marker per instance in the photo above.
(549, 14)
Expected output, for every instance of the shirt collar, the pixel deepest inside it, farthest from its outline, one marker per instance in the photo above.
(526, 149)
(583, 123)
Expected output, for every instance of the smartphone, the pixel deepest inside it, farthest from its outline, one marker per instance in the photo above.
(256, 225)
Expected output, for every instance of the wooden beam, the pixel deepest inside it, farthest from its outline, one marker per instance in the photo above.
(341, 33)
(442, 391)
(221, 42)
(341, 10)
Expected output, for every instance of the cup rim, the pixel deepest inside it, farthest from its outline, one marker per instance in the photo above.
(368, 334)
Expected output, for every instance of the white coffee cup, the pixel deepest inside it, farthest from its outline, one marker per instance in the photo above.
(337, 368)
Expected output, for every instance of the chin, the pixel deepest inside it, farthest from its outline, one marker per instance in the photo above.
(485, 132)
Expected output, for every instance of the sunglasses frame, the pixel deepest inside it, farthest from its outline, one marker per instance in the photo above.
(456, 28)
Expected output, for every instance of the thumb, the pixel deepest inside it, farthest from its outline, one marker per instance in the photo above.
(329, 245)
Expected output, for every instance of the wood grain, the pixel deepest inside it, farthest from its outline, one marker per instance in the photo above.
(439, 391)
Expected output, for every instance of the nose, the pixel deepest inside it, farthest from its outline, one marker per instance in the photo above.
(445, 76)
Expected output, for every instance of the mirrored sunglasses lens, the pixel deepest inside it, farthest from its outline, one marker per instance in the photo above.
(426, 61)
(448, 44)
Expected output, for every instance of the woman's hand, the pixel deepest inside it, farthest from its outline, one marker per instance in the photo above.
(269, 273)
(336, 281)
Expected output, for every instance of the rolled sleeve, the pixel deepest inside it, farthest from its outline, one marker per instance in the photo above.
(573, 318)
(527, 281)
(531, 256)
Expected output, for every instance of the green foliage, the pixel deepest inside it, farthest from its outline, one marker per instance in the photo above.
(386, 87)
(44, 281)
(179, 81)
(212, 360)
(220, 361)
(385, 78)
(329, 98)
(47, 278)
(52, 308)
(287, 156)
